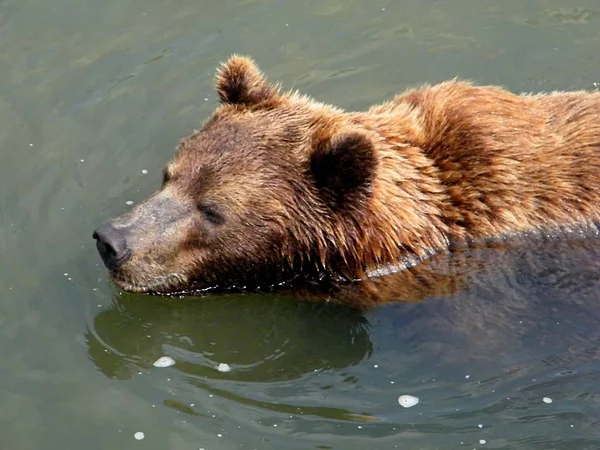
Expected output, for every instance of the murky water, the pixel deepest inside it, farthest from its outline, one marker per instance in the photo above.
(92, 93)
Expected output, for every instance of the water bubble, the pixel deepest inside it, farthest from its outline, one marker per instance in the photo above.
(408, 401)
(164, 361)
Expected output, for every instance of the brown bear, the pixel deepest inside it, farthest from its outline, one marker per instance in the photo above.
(277, 186)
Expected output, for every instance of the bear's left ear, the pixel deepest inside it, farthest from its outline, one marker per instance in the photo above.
(343, 168)
(240, 82)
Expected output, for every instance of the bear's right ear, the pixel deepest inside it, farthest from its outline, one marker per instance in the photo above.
(343, 168)
(240, 82)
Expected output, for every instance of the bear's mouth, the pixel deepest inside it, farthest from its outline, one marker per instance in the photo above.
(165, 284)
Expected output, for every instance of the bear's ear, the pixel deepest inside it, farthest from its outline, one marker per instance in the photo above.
(343, 168)
(240, 82)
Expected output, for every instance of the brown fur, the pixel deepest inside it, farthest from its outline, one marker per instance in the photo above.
(277, 184)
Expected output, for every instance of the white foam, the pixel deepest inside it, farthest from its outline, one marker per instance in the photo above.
(222, 367)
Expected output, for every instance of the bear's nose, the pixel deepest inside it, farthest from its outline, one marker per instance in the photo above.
(112, 246)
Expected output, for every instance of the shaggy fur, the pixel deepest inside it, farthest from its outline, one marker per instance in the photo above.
(276, 184)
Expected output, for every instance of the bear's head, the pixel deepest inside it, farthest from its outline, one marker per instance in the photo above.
(273, 185)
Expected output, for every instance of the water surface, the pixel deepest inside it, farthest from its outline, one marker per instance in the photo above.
(93, 93)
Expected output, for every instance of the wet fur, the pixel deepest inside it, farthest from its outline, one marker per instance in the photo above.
(304, 187)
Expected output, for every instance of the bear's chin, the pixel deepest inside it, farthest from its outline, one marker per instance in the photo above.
(166, 284)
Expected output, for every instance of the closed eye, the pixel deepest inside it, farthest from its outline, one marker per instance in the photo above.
(212, 214)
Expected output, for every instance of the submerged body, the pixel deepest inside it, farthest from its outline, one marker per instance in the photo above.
(277, 185)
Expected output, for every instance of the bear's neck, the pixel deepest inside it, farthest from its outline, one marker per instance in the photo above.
(409, 218)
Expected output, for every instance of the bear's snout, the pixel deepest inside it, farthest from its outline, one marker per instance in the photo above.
(112, 246)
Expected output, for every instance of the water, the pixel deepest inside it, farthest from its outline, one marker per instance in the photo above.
(95, 93)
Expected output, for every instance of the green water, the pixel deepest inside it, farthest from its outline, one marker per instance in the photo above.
(92, 93)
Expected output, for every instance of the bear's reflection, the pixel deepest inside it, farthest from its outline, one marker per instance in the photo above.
(263, 338)
(490, 301)
(513, 271)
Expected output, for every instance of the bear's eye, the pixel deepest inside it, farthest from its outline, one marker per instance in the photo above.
(212, 214)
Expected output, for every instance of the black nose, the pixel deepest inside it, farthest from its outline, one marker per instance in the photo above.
(112, 246)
